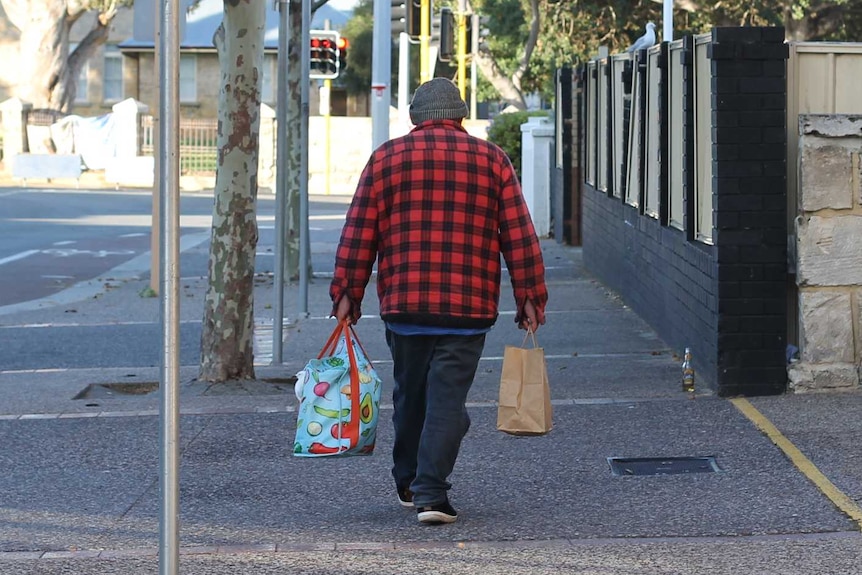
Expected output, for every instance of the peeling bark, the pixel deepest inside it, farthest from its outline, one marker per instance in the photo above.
(227, 346)
(293, 119)
(51, 81)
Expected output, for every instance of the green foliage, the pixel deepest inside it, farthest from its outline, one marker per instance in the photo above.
(505, 131)
(572, 31)
(359, 31)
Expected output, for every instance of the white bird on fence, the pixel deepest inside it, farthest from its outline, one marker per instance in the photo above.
(645, 41)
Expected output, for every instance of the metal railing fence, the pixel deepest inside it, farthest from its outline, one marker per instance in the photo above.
(198, 147)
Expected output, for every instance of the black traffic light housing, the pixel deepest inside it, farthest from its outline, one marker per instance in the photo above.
(447, 34)
(413, 18)
(325, 54)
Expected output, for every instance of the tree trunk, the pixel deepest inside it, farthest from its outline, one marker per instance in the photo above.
(52, 73)
(294, 160)
(509, 93)
(227, 350)
(509, 87)
(43, 53)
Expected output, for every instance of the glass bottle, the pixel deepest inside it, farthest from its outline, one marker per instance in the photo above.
(687, 372)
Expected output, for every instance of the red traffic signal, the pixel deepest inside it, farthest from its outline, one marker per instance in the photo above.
(324, 52)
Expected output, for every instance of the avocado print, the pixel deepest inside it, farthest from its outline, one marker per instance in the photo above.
(366, 409)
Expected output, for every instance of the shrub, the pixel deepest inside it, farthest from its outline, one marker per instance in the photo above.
(505, 131)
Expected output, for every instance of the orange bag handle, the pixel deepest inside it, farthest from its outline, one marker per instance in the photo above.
(349, 430)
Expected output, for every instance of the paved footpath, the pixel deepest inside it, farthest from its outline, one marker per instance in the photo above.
(79, 487)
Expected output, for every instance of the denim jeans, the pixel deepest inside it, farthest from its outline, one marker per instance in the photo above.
(433, 374)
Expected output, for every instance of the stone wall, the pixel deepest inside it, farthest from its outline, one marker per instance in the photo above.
(829, 254)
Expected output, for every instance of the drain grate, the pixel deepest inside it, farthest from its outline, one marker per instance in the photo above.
(662, 465)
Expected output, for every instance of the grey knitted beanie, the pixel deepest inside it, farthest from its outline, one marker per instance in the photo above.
(437, 99)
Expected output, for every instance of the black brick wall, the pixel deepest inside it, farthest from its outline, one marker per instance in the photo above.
(726, 301)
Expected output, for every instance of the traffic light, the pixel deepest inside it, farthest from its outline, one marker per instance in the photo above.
(343, 44)
(325, 58)
(413, 17)
(447, 34)
(406, 16)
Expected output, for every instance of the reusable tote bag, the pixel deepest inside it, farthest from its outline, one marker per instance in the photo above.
(525, 397)
(339, 399)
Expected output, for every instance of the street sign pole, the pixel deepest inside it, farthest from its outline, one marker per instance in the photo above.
(425, 42)
(381, 72)
(282, 186)
(304, 245)
(169, 265)
(462, 48)
(667, 21)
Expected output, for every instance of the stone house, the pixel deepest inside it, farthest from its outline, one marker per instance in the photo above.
(199, 68)
(103, 79)
(124, 66)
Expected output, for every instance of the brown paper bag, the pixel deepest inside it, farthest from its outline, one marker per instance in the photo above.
(525, 396)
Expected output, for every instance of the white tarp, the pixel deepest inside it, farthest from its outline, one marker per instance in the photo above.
(92, 138)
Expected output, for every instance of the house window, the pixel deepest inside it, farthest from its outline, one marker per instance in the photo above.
(188, 78)
(82, 82)
(112, 82)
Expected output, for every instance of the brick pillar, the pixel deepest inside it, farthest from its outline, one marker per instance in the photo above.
(128, 137)
(749, 94)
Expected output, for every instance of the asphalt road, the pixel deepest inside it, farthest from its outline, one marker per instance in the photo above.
(53, 242)
(53, 239)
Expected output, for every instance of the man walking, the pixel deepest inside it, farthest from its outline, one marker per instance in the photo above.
(436, 209)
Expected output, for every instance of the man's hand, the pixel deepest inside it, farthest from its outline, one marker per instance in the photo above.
(345, 310)
(530, 318)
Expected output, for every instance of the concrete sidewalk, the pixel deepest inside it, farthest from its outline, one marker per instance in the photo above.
(79, 488)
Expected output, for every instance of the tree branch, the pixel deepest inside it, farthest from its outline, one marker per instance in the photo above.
(529, 46)
(684, 5)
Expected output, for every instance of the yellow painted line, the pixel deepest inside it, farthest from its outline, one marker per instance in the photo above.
(838, 497)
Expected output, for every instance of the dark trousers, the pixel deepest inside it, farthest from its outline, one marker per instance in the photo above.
(433, 374)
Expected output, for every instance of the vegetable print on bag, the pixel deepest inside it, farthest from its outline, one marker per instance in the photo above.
(339, 395)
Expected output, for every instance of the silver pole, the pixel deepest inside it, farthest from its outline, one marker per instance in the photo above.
(667, 21)
(381, 72)
(473, 77)
(304, 245)
(404, 77)
(281, 180)
(169, 309)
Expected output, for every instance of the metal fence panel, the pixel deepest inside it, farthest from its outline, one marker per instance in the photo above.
(653, 131)
(198, 144)
(703, 139)
(676, 132)
(619, 62)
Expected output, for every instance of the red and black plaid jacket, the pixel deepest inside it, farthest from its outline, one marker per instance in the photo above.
(436, 208)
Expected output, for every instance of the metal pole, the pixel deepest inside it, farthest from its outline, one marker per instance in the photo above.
(473, 66)
(462, 48)
(325, 93)
(667, 21)
(304, 246)
(404, 77)
(425, 41)
(169, 309)
(281, 180)
(381, 72)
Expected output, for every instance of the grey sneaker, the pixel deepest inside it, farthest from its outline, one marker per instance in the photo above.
(437, 514)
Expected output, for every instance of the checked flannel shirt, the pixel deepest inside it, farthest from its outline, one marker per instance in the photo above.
(436, 208)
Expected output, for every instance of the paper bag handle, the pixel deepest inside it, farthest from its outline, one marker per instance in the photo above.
(531, 335)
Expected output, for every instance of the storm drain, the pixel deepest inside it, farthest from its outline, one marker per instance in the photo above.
(662, 465)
